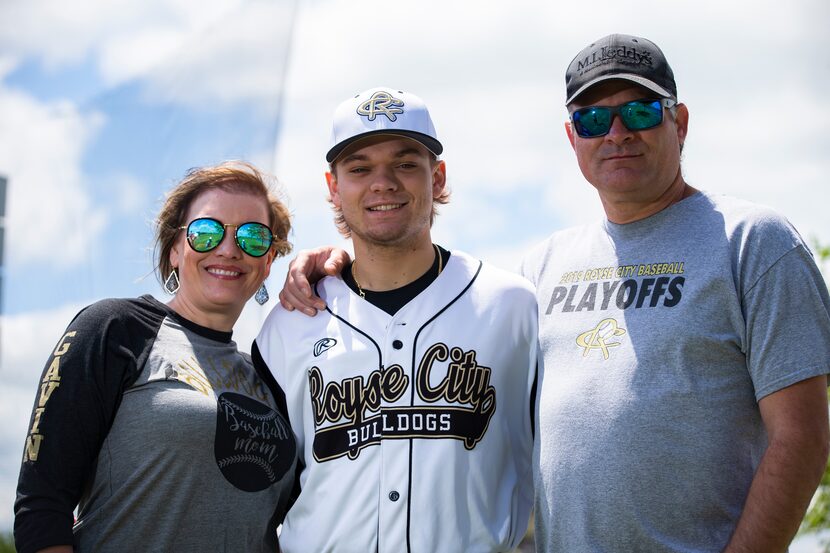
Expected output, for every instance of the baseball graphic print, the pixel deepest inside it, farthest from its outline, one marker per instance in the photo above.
(252, 445)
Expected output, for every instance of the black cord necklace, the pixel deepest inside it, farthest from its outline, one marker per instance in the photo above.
(360, 288)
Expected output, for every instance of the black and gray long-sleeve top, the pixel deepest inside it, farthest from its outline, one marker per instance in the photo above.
(160, 431)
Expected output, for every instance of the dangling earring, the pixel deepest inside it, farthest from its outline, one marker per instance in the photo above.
(171, 285)
(261, 295)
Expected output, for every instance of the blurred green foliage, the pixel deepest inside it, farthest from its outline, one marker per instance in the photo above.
(817, 518)
(821, 252)
(7, 543)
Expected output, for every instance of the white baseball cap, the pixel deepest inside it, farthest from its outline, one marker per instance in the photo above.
(382, 110)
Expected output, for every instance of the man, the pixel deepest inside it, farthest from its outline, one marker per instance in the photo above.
(686, 340)
(411, 394)
(681, 408)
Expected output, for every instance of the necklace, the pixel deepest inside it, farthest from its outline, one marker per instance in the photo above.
(360, 288)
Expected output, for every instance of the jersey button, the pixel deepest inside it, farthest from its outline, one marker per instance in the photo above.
(394, 496)
(397, 344)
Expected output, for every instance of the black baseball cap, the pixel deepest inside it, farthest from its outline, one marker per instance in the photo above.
(625, 57)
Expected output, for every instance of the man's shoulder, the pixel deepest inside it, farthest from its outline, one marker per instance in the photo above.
(747, 221)
(740, 211)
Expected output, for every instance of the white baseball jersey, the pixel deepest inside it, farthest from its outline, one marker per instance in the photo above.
(415, 429)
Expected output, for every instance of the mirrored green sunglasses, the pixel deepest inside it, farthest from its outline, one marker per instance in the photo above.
(205, 234)
(639, 115)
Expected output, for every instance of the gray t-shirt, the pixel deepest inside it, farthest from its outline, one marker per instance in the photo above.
(659, 338)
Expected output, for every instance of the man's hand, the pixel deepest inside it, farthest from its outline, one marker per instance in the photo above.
(306, 269)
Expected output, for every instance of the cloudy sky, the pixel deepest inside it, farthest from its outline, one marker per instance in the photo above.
(105, 104)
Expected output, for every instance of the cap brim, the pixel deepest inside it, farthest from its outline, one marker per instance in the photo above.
(642, 81)
(430, 143)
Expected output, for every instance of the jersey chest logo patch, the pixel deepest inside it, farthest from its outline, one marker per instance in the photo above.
(322, 345)
(457, 399)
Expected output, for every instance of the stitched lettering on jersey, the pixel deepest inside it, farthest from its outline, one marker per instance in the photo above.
(359, 416)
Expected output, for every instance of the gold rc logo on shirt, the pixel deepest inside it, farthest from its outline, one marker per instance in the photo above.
(353, 406)
(602, 337)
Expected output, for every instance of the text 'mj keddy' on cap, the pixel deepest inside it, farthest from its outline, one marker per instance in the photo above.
(625, 57)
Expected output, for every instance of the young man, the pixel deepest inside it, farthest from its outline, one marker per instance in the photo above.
(411, 394)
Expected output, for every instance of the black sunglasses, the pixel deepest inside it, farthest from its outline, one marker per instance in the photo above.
(205, 234)
(639, 115)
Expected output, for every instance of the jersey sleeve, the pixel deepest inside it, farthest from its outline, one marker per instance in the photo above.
(269, 348)
(265, 373)
(268, 355)
(787, 312)
(76, 400)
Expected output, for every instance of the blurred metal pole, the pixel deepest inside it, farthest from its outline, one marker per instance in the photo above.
(3, 183)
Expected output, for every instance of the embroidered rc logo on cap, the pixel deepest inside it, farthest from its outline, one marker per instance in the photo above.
(381, 103)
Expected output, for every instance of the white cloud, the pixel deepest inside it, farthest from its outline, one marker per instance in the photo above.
(129, 193)
(7, 65)
(766, 148)
(61, 33)
(239, 58)
(185, 51)
(40, 151)
(133, 54)
(498, 138)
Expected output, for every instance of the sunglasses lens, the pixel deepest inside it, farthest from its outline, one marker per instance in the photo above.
(592, 121)
(642, 115)
(204, 234)
(254, 239)
(595, 121)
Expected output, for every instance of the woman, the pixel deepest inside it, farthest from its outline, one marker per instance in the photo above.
(148, 418)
